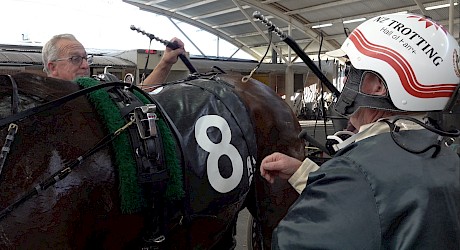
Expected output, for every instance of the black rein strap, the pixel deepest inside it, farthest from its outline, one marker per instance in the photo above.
(63, 172)
(14, 96)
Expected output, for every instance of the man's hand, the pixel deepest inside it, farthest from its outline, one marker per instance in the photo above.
(278, 164)
(161, 71)
(170, 56)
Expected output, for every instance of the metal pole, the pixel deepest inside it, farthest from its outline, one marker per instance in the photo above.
(451, 17)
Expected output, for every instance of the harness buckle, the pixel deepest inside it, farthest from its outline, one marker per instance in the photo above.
(13, 127)
(145, 118)
(159, 239)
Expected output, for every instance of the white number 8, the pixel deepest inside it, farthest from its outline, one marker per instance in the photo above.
(217, 150)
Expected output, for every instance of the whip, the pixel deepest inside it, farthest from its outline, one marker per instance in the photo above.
(173, 45)
(294, 46)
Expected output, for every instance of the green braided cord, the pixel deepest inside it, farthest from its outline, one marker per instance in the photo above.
(174, 189)
(130, 194)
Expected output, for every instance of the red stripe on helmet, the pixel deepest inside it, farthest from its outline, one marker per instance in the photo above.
(402, 68)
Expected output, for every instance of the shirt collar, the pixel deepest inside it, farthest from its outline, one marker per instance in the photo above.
(380, 127)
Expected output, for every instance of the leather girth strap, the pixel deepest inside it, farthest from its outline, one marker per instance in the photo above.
(150, 160)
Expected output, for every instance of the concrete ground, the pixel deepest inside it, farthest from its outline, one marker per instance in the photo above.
(242, 230)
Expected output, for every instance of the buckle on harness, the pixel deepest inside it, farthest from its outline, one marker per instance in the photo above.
(145, 117)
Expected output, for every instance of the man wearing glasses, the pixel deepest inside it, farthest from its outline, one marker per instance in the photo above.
(65, 58)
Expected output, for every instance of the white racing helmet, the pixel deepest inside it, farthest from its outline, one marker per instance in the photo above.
(416, 58)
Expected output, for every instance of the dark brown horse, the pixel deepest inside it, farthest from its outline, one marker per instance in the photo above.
(83, 210)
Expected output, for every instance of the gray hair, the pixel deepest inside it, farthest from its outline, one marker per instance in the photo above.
(50, 51)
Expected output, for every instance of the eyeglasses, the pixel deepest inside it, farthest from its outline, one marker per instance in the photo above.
(77, 60)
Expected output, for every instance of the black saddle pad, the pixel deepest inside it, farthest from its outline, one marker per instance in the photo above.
(219, 141)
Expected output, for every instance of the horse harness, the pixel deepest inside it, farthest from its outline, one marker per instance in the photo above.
(150, 160)
(147, 143)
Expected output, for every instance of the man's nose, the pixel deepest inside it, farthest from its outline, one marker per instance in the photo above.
(84, 63)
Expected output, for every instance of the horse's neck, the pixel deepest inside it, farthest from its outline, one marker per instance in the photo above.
(32, 90)
(44, 88)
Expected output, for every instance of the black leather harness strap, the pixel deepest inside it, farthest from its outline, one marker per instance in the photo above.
(63, 172)
(14, 95)
(12, 130)
(144, 138)
(149, 156)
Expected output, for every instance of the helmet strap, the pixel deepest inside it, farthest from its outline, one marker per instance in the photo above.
(453, 100)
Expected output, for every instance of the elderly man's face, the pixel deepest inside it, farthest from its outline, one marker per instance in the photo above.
(371, 85)
(72, 61)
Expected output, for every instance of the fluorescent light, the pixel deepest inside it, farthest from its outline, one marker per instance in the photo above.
(402, 12)
(355, 20)
(321, 25)
(439, 6)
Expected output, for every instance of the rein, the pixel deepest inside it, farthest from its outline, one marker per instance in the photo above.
(63, 172)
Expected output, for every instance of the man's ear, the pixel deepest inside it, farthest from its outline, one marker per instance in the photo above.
(373, 85)
(51, 67)
(380, 89)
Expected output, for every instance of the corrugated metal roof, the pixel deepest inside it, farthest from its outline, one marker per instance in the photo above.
(31, 58)
(233, 20)
(112, 61)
